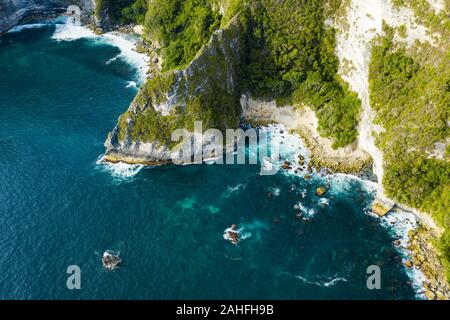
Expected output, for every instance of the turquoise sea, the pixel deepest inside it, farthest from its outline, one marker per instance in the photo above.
(59, 206)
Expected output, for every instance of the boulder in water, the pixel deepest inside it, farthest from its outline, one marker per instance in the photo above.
(286, 165)
(110, 260)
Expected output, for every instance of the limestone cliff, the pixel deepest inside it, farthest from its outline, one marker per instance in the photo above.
(206, 90)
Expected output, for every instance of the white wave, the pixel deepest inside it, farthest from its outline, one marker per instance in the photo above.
(120, 171)
(112, 60)
(231, 190)
(131, 84)
(334, 281)
(304, 193)
(248, 230)
(290, 147)
(226, 233)
(71, 32)
(22, 27)
(324, 202)
(306, 213)
(126, 45)
(399, 224)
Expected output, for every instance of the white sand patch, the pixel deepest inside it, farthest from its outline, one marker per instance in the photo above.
(138, 29)
(302, 119)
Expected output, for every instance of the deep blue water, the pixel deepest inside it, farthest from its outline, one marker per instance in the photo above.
(58, 207)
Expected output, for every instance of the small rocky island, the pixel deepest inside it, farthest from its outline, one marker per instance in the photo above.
(111, 260)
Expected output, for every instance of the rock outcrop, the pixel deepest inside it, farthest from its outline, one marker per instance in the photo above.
(13, 12)
(206, 90)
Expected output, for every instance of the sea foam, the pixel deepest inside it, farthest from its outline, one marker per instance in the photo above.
(126, 44)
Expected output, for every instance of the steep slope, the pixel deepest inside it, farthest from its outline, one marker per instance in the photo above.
(395, 55)
(359, 22)
(206, 90)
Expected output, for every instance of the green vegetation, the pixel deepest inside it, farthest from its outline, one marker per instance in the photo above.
(410, 92)
(135, 12)
(205, 92)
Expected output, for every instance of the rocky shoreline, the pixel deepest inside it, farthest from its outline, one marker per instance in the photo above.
(360, 166)
(425, 257)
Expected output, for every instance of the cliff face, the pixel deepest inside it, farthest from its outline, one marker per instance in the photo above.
(206, 90)
(361, 23)
(12, 12)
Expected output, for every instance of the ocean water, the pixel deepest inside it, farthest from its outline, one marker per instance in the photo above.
(59, 206)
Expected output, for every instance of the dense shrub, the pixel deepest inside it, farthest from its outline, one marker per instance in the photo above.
(412, 101)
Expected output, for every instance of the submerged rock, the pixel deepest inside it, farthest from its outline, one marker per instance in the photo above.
(409, 264)
(321, 191)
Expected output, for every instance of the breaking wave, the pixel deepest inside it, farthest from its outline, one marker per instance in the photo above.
(120, 171)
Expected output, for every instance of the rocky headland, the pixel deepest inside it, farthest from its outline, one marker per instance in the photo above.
(209, 86)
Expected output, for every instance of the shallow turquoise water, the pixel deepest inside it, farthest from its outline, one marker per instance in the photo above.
(58, 207)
